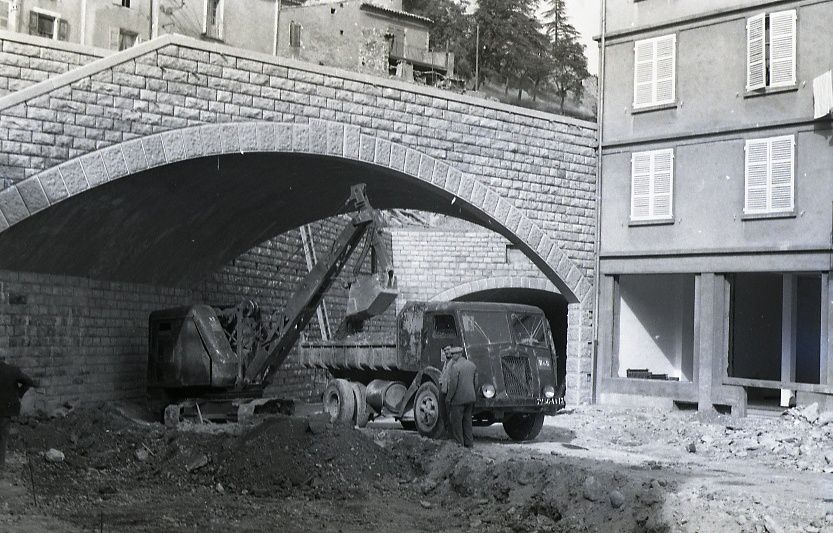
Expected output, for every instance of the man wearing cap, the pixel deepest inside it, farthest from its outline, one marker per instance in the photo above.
(461, 395)
(13, 385)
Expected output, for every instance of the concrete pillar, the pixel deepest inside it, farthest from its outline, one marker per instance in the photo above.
(705, 350)
(825, 366)
(788, 335)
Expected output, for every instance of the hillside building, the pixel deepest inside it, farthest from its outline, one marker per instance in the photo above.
(377, 37)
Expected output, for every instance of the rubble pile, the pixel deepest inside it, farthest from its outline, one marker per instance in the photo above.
(801, 438)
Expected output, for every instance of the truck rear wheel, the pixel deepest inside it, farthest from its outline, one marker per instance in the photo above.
(523, 426)
(362, 410)
(339, 401)
(428, 411)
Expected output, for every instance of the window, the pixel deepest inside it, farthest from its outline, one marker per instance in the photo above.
(5, 5)
(213, 24)
(652, 185)
(654, 71)
(444, 327)
(294, 35)
(121, 39)
(48, 24)
(486, 327)
(529, 329)
(769, 175)
(770, 43)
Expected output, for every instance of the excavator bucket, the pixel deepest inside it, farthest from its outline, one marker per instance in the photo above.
(368, 298)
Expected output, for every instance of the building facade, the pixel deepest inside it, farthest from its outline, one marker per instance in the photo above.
(375, 37)
(716, 193)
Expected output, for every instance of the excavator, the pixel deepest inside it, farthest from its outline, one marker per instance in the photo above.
(214, 364)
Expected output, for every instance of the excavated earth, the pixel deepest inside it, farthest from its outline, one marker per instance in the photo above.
(591, 470)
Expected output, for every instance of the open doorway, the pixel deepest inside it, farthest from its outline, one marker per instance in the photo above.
(655, 327)
(775, 331)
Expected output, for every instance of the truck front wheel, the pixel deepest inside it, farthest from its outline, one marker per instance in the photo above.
(523, 426)
(339, 401)
(428, 412)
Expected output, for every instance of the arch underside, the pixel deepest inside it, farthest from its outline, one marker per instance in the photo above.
(181, 221)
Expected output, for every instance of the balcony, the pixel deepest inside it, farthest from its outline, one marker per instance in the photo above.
(420, 57)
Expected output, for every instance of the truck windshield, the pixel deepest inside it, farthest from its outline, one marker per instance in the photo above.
(529, 329)
(486, 328)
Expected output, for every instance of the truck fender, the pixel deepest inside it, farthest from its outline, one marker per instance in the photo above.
(428, 373)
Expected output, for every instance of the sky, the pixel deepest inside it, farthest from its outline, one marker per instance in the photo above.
(584, 15)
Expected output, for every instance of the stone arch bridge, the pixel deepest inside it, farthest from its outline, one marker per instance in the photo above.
(147, 170)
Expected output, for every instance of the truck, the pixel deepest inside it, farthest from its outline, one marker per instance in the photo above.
(510, 344)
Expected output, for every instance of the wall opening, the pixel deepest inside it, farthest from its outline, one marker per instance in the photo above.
(775, 330)
(655, 327)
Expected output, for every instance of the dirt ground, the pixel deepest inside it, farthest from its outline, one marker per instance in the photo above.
(591, 469)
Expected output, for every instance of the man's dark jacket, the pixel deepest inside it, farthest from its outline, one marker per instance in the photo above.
(462, 382)
(13, 384)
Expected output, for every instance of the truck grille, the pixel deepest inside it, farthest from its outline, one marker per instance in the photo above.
(517, 376)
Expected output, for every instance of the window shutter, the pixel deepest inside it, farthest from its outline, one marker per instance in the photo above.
(221, 12)
(641, 186)
(756, 53)
(663, 179)
(33, 23)
(782, 48)
(5, 6)
(63, 30)
(114, 38)
(664, 69)
(757, 170)
(781, 165)
(643, 73)
(205, 8)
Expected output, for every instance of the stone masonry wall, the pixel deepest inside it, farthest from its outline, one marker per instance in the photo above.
(431, 261)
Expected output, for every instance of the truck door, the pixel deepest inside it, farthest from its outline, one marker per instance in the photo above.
(440, 330)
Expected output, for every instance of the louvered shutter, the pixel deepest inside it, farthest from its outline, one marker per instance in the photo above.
(781, 164)
(663, 180)
(5, 7)
(641, 186)
(33, 23)
(756, 53)
(643, 73)
(664, 69)
(782, 48)
(115, 33)
(757, 166)
(63, 30)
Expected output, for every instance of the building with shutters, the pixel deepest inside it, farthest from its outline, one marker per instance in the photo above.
(716, 193)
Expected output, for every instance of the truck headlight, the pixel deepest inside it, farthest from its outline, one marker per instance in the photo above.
(488, 390)
(549, 391)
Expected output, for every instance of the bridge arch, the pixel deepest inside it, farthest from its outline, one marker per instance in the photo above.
(88, 216)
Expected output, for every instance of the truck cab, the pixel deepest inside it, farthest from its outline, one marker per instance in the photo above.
(512, 347)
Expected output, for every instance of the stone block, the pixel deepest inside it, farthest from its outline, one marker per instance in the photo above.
(74, 178)
(94, 169)
(335, 138)
(173, 146)
(154, 150)
(134, 156)
(352, 142)
(53, 185)
(12, 206)
(230, 138)
(212, 142)
(192, 141)
(397, 157)
(300, 138)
